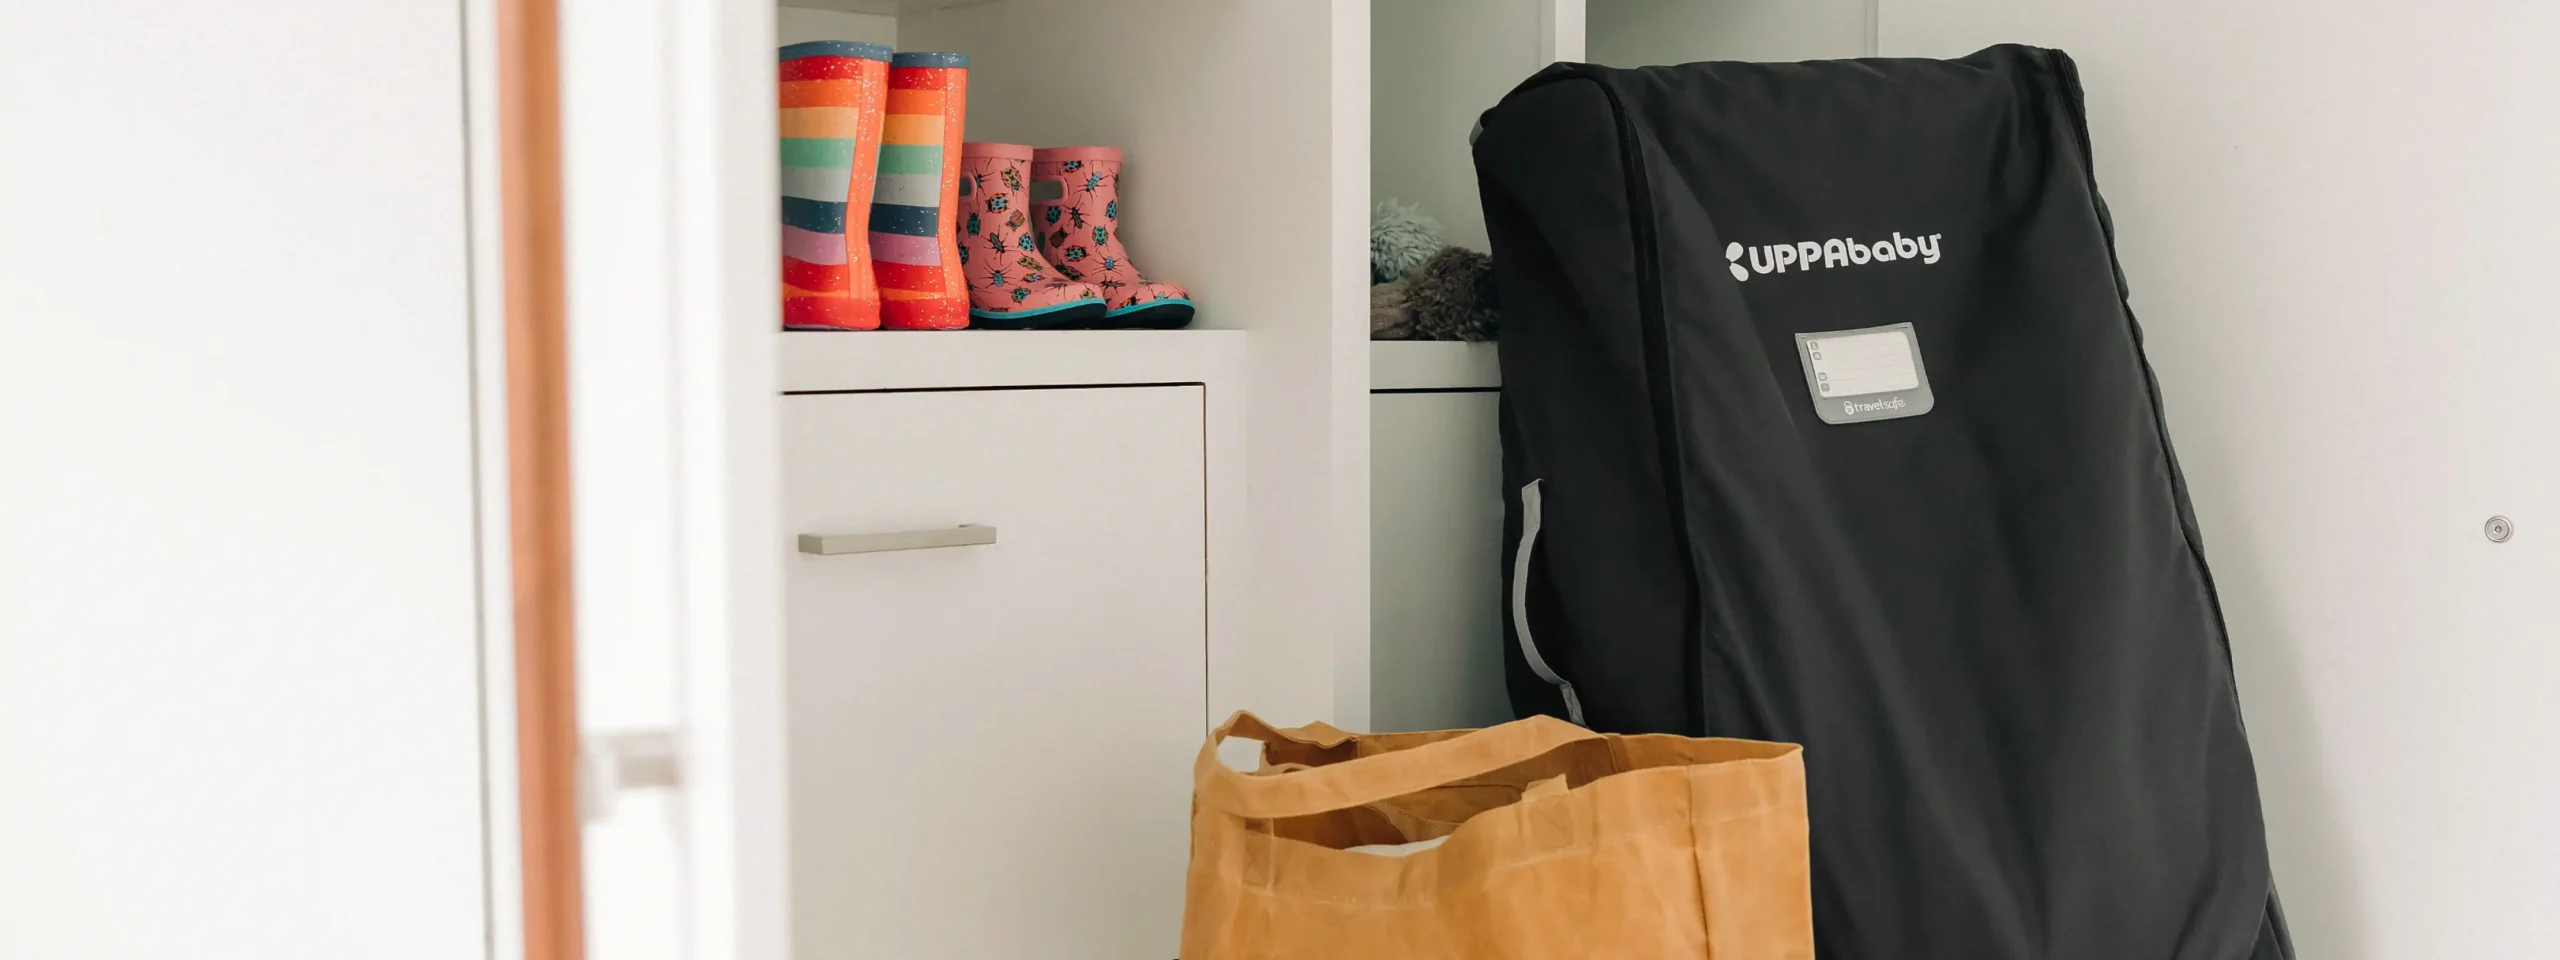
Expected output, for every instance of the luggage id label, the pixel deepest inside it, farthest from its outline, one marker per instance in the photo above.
(1873, 373)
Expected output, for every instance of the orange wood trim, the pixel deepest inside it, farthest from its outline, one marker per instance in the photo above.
(538, 477)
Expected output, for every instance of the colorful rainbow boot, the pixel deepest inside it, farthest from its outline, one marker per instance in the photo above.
(832, 95)
(914, 249)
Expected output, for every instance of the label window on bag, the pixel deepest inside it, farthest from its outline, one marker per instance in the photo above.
(1869, 374)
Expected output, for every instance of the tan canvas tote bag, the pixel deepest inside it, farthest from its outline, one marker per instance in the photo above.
(1555, 842)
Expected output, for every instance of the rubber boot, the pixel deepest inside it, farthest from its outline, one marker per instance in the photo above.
(833, 93)
(1011, 287)
(1075, 204)
(914, 248)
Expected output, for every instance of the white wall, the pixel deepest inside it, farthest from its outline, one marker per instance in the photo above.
(2338, 221)
(239, 709)
(1434, 66)
(803, 24)
(1636, 33)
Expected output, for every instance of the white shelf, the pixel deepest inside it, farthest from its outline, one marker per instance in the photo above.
(878, 8)
(946, 359)
(1433, 365)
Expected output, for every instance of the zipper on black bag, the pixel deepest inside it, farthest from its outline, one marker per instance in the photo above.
(1655, 333)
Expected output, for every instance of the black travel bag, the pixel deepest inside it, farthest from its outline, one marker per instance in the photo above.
(1826, 420)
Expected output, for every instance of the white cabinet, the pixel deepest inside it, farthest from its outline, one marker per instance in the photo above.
(990, 744)
(1435, 532)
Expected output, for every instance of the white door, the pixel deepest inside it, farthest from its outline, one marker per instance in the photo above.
(239, 611)
(991, 742)
(2337, 222)
(668, 166)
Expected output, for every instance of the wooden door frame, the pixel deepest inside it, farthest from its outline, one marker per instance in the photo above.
(537, 452)
(709, 588)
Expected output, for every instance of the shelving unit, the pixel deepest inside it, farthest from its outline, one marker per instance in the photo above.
(944, 360)
(1409, 365)
(1102, 455)
(1249, 192)
(1255, 148)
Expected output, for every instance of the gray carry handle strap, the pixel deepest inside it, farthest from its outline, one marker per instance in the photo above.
(1531, 518)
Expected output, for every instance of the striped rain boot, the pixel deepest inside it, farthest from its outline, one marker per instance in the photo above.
(914, 249)
(832, 95)
(1075, 205)
(1010, 286)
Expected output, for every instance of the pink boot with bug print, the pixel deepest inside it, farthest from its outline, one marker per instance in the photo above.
(1011, 287)
(1075, 207)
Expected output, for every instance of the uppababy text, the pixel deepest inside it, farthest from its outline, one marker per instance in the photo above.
(1835, 252)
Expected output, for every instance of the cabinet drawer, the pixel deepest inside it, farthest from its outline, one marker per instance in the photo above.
(990, 744)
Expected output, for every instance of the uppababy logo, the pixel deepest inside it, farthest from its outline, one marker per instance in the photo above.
(1835, 252)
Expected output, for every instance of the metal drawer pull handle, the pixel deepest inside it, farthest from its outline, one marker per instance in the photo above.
(964, 535)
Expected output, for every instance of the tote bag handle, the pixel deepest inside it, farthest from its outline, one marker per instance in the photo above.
(1365, 780)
